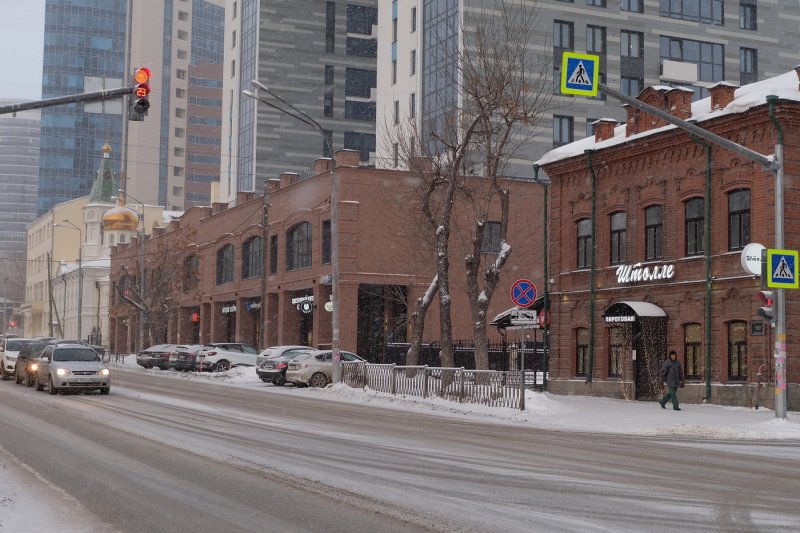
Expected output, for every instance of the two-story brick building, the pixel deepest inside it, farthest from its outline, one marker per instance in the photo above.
(228, 262)
(648, 229)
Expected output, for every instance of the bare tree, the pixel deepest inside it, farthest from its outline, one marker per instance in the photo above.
(503, 87)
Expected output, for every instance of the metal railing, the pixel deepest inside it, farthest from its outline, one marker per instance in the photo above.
(495, 388)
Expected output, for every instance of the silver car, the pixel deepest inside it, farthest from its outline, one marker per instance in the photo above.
(64, 367)
(315, 368)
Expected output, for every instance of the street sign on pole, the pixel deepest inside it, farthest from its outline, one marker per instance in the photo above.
(523, 293)
(579, 73)
(782, 269)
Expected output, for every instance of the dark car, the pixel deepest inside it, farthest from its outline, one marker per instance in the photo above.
(185, 357)
(274, 368)
(25, 369)
(155, 356)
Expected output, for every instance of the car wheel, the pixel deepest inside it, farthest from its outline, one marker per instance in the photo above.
(318, 380)
(105, 390)
(222, 366)
(39, 386)
(29, 381)
(279, 381)
(53, 390)
(266, 380)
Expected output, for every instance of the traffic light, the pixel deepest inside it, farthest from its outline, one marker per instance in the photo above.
(140, 100)
(766, 310)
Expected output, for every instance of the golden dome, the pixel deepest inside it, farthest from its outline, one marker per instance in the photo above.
(121, 218)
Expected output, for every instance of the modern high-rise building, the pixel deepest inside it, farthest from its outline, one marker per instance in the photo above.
(19, 168)
(690, 43)
(317, 56)
(95, 45)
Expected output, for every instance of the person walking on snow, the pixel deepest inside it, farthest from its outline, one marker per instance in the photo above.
(672, 376)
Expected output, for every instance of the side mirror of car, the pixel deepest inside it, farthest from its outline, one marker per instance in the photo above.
(46, 358)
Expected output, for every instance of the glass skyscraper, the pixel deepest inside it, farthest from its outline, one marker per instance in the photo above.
(84, 48)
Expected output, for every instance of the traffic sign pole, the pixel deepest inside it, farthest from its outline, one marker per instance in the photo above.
(780, 315)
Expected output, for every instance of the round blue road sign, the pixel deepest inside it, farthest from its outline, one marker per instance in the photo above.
(523, 293)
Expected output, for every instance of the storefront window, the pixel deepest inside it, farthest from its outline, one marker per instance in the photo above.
(654, 232)
(692, 341)
(584, 242)
(616, 343)
(225, 264)
(695, 209)
(581, 351)
(737, 350)
(738, 219)
(618, 221)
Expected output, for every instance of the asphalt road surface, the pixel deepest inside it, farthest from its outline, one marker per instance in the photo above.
(161, 454)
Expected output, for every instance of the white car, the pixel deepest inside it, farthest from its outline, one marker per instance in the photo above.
(76, 367)
(315, 369)
(221, 356)
(10, 348)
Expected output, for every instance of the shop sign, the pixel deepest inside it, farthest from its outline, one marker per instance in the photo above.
(228, 309)
(637, 272)
(253, 304)
(610, 319)
(298, 301)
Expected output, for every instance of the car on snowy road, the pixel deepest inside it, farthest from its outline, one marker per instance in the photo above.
(71, 367)
(315, 369)
(221, 356)
(273, 369)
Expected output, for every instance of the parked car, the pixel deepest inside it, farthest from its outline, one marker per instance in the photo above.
(221, 356)
(155, 356)
(185, 357)
(277, 351)
(315, 368)
(274, 368)
(10, 348)
(64, 367)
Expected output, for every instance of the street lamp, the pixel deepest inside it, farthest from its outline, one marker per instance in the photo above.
(297, 114)
(80, 273)
(545, 183)
(142, 315)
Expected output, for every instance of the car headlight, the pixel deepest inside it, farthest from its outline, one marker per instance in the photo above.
(103, 372)
(62, 372)
(11, 358)
(34, 367)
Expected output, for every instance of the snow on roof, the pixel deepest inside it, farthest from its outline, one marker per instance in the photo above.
(169, 216)
(784, 86)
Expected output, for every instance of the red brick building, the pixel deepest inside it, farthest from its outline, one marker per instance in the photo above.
(635, 196)
(385, 264)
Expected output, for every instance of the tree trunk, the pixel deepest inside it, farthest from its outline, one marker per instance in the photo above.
(418, 323)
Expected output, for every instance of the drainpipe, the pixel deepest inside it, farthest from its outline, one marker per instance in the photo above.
(707, 245)
(591, 272)
(546, 307)
(780, 308)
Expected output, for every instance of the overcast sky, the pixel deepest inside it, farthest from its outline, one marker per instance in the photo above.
(21, 45)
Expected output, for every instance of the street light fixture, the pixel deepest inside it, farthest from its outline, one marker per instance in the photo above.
(297, 114)
(142, 315)
(80, 272)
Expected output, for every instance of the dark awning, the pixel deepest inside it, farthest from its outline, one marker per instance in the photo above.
(630, 311)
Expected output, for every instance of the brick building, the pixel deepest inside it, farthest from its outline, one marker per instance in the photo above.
(384, 263)
(635, 271)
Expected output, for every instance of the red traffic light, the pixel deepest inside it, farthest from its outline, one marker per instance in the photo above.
(141, 74)
(142, 90)
(766, 297)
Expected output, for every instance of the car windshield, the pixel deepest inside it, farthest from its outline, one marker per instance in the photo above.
(294, 354)
(75, 354)
(15, 345)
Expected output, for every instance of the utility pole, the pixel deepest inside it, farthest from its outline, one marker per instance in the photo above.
(265, 262)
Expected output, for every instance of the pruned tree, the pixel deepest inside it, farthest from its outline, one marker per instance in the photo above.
(500, 88)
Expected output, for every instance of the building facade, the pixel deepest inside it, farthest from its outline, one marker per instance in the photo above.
(320, 58)
(228, 263)
(640, 43)
(647, 236)
(19, 167)
(91, 46)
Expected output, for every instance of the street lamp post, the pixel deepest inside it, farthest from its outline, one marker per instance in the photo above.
(142, 314)
(80, 274)
(295, 113)
(545, 183)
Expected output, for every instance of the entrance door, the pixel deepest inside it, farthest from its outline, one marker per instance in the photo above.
(651, 349)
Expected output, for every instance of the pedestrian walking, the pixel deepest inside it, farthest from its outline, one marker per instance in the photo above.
(672, 376)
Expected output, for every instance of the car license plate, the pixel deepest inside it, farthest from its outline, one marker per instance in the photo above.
(84, 380)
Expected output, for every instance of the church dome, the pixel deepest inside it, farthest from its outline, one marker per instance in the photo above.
(121, 218)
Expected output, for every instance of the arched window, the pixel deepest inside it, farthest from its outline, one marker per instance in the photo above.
(584, 243)
(298, 246)
(191, 272)
(225, 256)
(252, 258)
(692, 343)
(694, 220)
(618, 222)
(737, 350)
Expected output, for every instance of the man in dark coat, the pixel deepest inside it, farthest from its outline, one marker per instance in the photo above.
(672, 376)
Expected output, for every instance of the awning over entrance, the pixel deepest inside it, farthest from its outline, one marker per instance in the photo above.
(630, 311)
(509, 317)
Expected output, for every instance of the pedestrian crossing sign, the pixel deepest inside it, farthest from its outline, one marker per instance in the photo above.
(579, 73)
(782, 269)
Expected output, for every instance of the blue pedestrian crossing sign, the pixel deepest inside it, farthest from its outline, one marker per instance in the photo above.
(579, 73)
(782, 269)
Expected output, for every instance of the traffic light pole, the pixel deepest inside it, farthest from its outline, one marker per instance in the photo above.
(95, 96)
(774, 165)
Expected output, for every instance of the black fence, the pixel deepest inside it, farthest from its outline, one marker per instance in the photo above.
(502, 355)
